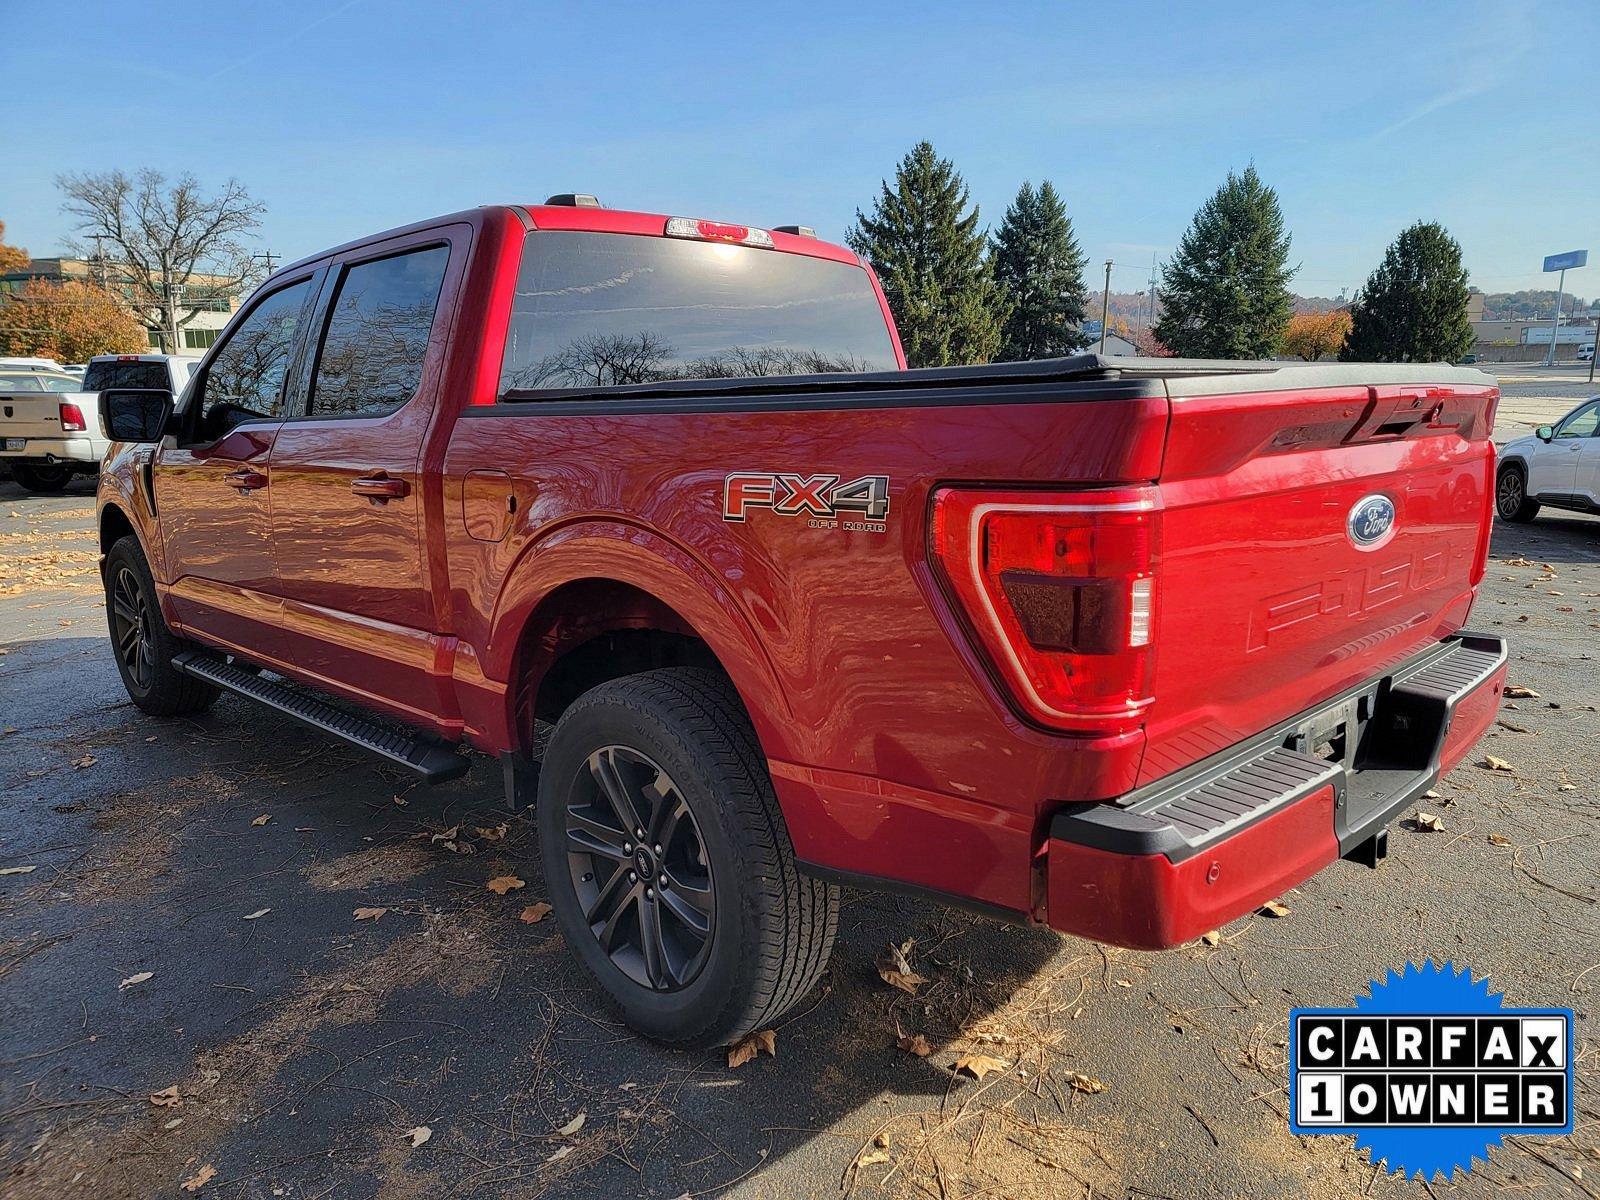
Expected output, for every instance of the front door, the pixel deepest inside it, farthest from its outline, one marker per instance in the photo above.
(213, 488)
(1554, 467)
(347, 504)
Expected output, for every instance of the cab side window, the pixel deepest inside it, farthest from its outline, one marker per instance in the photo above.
(246, 379)
(377, 336)
(1581, 424)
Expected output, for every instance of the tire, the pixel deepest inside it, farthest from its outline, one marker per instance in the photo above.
(141, 642)
(742, 936)
(1511, 500)
(44, 478)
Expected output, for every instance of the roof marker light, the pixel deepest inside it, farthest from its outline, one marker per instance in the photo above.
(716, 231)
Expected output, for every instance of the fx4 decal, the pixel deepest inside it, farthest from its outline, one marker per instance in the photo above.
(862, 504)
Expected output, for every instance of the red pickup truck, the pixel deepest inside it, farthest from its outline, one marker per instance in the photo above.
(650, 509)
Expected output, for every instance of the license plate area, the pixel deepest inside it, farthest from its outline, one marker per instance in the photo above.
(16, 443)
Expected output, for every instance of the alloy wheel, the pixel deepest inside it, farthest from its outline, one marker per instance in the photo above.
(1510, 493)
(639, 868)
(130, 627)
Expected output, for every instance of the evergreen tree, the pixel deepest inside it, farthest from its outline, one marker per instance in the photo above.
(1413, 308)
(925, 244)
(1225, 294)
(1038, 267)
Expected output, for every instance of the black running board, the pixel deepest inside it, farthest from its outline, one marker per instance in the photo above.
(433, 760)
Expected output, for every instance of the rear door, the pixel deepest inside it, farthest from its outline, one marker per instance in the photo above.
(213, 490)
(1311, 539)
(347, 498)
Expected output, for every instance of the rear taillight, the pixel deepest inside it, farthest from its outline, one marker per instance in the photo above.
(1060, 589)
(72, 418)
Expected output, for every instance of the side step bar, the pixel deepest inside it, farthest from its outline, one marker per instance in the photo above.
(433, 760)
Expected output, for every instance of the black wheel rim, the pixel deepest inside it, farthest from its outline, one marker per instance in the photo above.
(640, 869)
(1510, 493)
(130, 627)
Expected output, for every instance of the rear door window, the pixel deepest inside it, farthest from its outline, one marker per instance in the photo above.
(603, 309)
(377, 335)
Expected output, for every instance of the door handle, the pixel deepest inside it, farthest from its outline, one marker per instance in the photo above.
(380, 487)
(245, 479)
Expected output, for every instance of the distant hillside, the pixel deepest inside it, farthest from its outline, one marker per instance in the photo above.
(1510, 306)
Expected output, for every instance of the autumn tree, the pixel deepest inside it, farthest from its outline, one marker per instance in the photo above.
(70, 322)
(1038, 267)
(172, 245)
(922, 238)
(1311, 336)
(1413, 308)
(12, 258)
(1225, 293)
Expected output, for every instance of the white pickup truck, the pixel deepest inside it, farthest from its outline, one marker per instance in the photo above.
(50, 420)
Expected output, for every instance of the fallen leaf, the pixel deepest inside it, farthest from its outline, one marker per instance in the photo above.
(572, 1126)
(1491, 763)
(88, 760)
(419, 1135)
(201, 1177)
(1499, 839)
(1087, 1084)
(501, 884)
(894, 967)
(166, 1097)
(16, 870)
(449, 835)
(872, 1158)
(1516, 691)
(131, 980)
(1275, 908)
(1513, 727)
(496, 834)
(748, 1047)
(1214, 938)
(1430, 822)
(979, 1065)
(534, 913)
(915, 1043)
(369, 914)
(258, 914)
(559, 1154)
(174, 1123)
(262, 819)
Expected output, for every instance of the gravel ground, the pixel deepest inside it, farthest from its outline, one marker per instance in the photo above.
(225, 857)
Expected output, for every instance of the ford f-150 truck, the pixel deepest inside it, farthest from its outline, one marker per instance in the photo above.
(650, 509)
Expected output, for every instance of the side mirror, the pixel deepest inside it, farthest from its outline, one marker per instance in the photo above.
(135, 414)
(1544, 433)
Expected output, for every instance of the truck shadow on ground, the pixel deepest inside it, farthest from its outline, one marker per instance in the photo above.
(328, 970)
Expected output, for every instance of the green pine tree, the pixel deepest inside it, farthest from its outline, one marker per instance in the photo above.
(1413, 308)
(1038, 267)
(925, 244)
(1225, 294)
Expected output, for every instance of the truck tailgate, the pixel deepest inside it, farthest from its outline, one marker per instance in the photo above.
(1284, 578)
(31, 415)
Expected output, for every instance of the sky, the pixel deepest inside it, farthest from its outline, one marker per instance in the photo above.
(346, 117)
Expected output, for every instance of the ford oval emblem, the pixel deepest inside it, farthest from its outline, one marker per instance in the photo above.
(1371, 521)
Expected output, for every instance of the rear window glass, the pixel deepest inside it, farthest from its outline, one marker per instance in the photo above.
(602, 309)
(103, 375)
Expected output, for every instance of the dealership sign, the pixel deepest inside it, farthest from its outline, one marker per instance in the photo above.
(1567, 261)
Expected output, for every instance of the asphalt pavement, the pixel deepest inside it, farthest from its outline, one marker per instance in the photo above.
(239, 953)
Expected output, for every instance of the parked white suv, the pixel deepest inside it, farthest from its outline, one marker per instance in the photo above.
(50, 420)
(1557, 465)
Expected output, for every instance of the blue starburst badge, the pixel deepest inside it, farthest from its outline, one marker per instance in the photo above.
(1430, 1069)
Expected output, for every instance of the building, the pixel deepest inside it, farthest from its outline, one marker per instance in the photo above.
(205, 297)
(1524, 340)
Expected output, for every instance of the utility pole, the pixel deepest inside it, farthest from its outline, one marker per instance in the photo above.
(268, 257)
(1555, 326)
(1105, 307)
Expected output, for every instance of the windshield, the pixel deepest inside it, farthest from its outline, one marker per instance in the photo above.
(103, 375)
(599, 309)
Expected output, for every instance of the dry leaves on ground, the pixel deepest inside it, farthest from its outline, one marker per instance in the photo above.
(1515, 691)
(262, 819)
(501, 884)
(747, 1048)
(894, 967)
(166, 1097)
(1499, 839)
(1428, 822)
(369, 914)
(88, 760)
(257, 915)
(419, 1135)
(1491, 763)
(1087, 1084)
(915, 1043)
(534, 913)
(132, 980)
(572, 1126)
(200, 1178)
(16, 870)
(1212, 938)
(1275, 908)
(979, 1065)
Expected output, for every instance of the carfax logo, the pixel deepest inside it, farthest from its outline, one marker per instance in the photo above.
(1430, 1070)
(862, 504)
